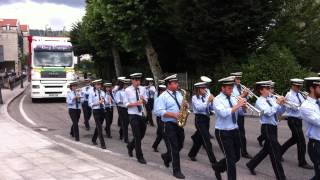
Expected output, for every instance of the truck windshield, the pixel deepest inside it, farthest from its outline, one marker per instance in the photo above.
(53, 58)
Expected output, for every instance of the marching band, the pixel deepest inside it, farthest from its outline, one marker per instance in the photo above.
(136, 105)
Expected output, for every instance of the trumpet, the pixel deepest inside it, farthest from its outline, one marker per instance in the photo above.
(252, 108)
(251, 93)
(289, 104)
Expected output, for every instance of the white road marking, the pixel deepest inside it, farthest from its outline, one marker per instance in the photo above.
(23, 113)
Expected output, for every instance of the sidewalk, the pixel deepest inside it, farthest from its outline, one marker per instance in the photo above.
(26, 154)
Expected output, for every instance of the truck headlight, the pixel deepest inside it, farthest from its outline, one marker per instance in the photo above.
(35, 86)
(71, 76)
(35, 75)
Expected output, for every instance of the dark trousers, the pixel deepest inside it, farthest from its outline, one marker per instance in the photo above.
(149, 108)
(314, 153)
(98, 115)
(242, 132)
(261, 137)
(175, 138)
(202, 137)
(138, 126)
(160, 134)
(230, 145)
(86, 113)
(297, 137)
(124, 122)
(108, 114)
(271, 147)
(75, 116)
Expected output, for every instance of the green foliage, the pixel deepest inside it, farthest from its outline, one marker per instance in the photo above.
(130, 21)
(85, 66)
(275, 63)
(297, 27)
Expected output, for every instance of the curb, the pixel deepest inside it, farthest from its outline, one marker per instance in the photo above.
(99, 162)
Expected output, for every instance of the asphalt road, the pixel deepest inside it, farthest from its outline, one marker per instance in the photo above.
(50, 118)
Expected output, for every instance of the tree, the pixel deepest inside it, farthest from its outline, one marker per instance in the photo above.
(130, 22)
(98, 34)
(214, 30)
(297, 27)
(275, 63)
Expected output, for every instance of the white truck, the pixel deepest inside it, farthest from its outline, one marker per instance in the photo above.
(51, 62)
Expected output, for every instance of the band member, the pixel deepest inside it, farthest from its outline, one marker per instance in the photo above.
(85, 91)
(237, 91)
(202, 105)
(310, 112)
(271, 95)
(122, 109)
(168, 107)
(226, 109)
(269, 123)
(73, 103)
(134, 100)
(114, 92)
(150, 92)
(97, 102)
(108, 108)
(160, 124)
(295, 123)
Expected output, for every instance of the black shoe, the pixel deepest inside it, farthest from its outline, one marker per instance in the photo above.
(121, 137)
(251, 170)
(109, 136)
(216, 167)
(71, 134)
(103, 147)
(192, 158)
(306, 166)
(260, 142)
(210, 136)
(130, 151)
(126, 141)
(178, 175)
(165, 161)
(88, 128)
(94, 143)
(246, 155)
(155, 149)
(142, 161)
(78, 139)
(218, 176)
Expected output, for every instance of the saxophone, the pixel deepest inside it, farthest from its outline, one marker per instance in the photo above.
(184, 111)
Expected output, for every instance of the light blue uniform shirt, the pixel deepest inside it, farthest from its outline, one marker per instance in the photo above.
(223, 112)
(310, 113)
(85, 92)
(150, 92)
(94, 99)
(269, 112)
(292, 97)
(120, 97)
(71, 101)
(108, 102)
(166, 103)
(200, 107)
(130, 97)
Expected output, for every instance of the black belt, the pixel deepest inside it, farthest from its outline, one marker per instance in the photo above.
(314, 141)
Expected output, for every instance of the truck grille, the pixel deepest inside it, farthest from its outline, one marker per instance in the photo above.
(53, 74)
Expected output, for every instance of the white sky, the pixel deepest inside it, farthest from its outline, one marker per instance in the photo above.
(38, 15)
